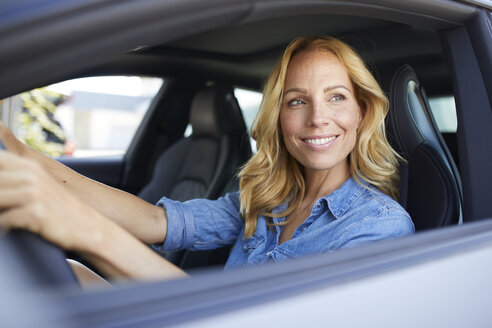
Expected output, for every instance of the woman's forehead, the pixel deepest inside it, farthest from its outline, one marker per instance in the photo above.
(316, 66)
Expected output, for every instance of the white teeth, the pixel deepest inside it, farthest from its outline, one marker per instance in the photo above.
(319, 141)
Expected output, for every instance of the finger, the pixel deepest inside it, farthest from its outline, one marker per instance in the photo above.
(21, 186)
(27, 218)
(18, 218)
(9, 161)
(16, 196)
(13, 178)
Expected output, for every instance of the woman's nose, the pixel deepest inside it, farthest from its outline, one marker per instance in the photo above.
(318, 115)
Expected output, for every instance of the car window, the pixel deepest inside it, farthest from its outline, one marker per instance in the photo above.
(249, 102)
(81, 117)
(444, 111)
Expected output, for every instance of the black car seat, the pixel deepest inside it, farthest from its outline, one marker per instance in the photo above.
(430, 183)
(204, 164)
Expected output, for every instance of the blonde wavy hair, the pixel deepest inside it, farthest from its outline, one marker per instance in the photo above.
(272, 176)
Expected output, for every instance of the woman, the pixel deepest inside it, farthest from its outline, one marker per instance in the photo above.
(322, 179)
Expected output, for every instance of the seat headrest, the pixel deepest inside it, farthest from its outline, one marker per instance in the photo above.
(215, 112)
(414, 125)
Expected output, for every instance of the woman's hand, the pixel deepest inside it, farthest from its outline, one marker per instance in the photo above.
(31, 199)
(143, 220)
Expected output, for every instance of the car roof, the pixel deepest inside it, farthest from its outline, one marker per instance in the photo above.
(245, 51)
(235, 41)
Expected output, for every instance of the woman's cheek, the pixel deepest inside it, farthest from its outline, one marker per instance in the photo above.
(288, 122)
(349, 118)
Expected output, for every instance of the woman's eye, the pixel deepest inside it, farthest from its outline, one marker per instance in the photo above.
(295, 102)
(338, 97)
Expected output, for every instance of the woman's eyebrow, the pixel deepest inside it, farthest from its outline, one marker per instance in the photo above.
(336, 87)
(327, 89)
(295, 90)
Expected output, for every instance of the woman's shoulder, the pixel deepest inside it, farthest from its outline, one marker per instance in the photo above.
(372, 216)
(379, 199)
(356, 198)
(384, 208)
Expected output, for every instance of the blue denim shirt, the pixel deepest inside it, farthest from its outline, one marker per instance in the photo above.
(352, 215)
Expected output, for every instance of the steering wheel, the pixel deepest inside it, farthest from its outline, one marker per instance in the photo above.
(46, 261)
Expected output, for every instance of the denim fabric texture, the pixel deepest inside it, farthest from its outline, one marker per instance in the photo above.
(350, 216)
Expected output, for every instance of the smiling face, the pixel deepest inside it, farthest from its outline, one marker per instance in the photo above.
(319, 115)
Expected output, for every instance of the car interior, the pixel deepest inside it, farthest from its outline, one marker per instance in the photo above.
(242, 56)
(202, 69)
(419, 51)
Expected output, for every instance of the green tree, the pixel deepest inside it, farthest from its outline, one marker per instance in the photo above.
(40, 128)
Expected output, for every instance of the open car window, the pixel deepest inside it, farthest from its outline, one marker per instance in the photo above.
(249, 102)
(444, 111)
(85, 117)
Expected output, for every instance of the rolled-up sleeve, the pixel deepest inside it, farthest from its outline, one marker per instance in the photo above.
(201, 224)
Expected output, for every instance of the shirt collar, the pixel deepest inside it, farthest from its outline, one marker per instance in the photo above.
(342, 198)
(338, 201)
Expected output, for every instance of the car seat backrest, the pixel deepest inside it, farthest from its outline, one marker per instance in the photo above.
(202, 164)
(430, 183)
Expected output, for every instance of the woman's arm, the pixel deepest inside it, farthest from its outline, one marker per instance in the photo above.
(142, 219)
(31, 199)
(118, 255)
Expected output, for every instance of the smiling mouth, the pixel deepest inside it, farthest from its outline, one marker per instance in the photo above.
(319, 141)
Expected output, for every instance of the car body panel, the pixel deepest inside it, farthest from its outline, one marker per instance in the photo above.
(430, 277)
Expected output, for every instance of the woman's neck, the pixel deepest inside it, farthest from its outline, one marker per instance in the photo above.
(320, 183)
